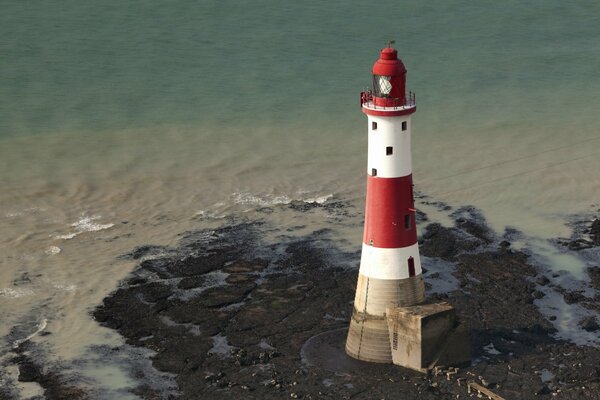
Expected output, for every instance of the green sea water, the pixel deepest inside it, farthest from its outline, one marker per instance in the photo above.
(156, 113)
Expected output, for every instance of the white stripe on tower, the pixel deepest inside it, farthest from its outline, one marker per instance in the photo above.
(389, 133)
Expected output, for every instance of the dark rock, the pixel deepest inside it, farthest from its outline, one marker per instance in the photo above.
(505, 244)
(446, 243)
(29, 372)
(224, 296)
(243, 266)
(538, 294)
(144, 251)
(589, 324)
(580, 244)
(544, 389)
(542, 280)
(594, 274)
(573, 297)
(137, 280)
(191, 282)
(303, 291)
(595, 232)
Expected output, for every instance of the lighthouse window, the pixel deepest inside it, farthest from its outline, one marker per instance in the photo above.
(373, 171)
(407, 221)
(411, 266)
(404, 125)
(382, 85)
(374, 126)
(389, 151)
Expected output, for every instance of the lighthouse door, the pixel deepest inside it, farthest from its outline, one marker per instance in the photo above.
(411, 266)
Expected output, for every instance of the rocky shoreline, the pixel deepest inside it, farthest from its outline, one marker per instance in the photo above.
(228, 313)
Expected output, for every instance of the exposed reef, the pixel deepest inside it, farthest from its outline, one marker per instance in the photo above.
(228, 313)
(233, 312)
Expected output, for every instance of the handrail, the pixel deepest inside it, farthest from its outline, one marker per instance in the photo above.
(409, 100)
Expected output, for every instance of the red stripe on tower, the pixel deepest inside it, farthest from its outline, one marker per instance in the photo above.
(389, 215)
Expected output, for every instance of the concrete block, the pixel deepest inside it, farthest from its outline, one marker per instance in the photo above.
(426, 335)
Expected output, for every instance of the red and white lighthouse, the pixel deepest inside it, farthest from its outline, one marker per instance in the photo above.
(390, 267)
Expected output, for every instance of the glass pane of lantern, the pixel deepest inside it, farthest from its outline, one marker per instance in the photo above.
(385, 87)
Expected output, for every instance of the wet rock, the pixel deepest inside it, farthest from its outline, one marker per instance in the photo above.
(542, 280)
(223, 296)
(191, 282)
(445, 243)
(589, 324)
(475, 228)
(595, 232)
(579, 244)
(542, 390)
(304, 292)
(29, 372)
(243, 266)
(145, 251)
(594, 274)
(538, 294)
(573, 297)
(55, 385)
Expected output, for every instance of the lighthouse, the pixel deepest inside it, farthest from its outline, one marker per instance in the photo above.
(390, 272)
(391, 321)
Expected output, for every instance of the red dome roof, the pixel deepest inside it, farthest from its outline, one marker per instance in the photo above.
(388, 63)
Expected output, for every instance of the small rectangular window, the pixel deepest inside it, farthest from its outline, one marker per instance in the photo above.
(411, 266)
(389, 151)
(407, 221)
(373, 171)
(374, 126)
(404, 125)
(395, 340)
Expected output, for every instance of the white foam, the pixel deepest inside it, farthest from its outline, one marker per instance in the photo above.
(65, 287)
(260, 200)
(545, 375)
(85, 224)
(40, 327)
(490, 349)
(220, 346)
(15, 214)
(318, 199)
(265, 200)
(15, 293)
(53, 250)
(67, 236)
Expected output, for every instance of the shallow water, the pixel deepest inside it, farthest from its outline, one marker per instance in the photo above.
(127, 123)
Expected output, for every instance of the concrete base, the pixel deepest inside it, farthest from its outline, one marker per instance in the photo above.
(427, 335)
(368, 338)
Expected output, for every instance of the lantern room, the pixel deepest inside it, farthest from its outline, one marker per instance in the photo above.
(389, 79)
(388, 96)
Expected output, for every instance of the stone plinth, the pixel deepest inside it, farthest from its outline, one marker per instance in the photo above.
(427, 335)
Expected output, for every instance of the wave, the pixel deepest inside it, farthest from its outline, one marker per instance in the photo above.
(15, 293)
(85, 224)
(40, 327)
(266, 200)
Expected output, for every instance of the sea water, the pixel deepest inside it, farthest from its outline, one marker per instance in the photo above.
(124, 123)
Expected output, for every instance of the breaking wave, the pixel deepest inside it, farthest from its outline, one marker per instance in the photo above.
(85, 224)
(266, 200)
